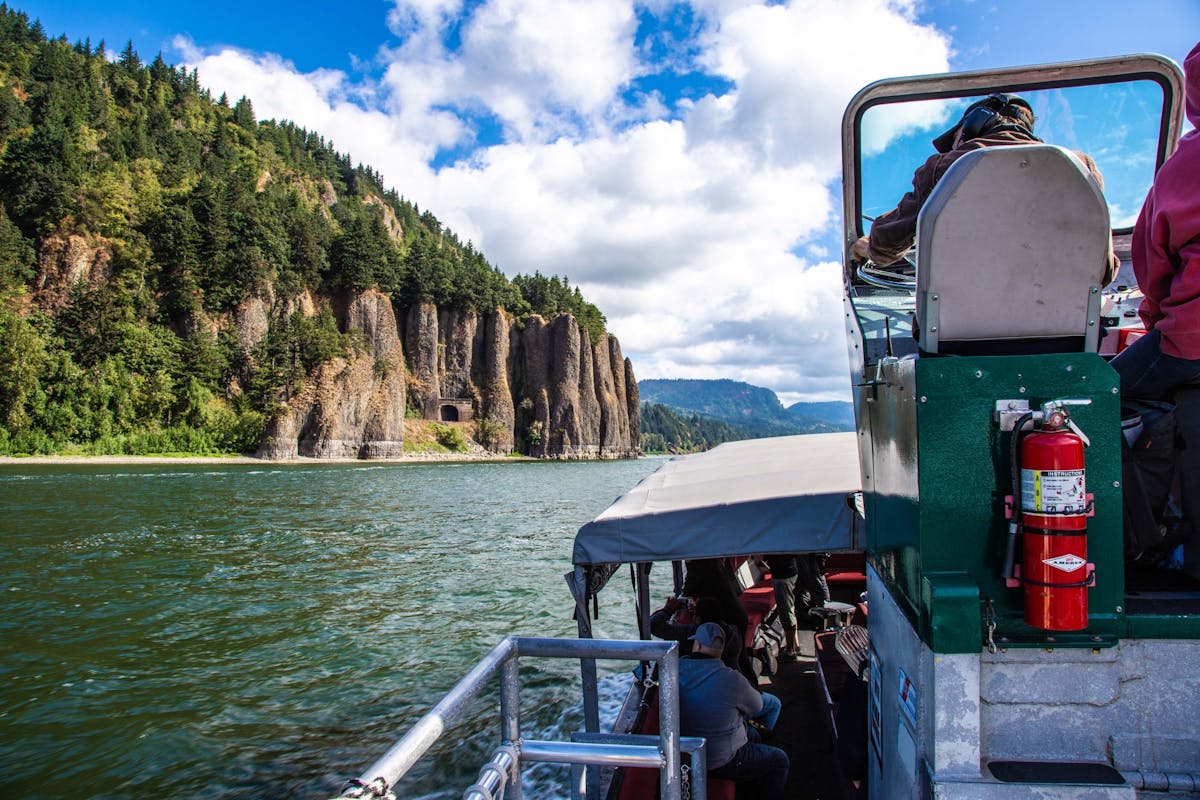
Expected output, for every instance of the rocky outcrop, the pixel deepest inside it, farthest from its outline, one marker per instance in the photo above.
(390, 223)
(543, 388)
(252, 320)
(497, 408)
(349, 408)
(456, 351)
(569, 404)
(67, 261)
(421, 350)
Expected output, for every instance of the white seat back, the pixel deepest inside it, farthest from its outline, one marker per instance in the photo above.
(1012, 246)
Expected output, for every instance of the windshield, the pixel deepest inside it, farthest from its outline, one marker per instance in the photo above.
(1117, 124)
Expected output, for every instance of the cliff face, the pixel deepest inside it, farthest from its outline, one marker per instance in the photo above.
(544, 389)
(349, 408)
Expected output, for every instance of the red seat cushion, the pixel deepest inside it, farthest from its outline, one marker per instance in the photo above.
(758, 602)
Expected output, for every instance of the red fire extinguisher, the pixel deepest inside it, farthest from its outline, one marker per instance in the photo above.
(1055, 506)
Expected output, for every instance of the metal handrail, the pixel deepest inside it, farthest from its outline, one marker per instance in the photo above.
(503, 773)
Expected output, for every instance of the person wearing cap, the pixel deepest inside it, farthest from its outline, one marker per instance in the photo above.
(1166, 263)
(998, 120)
(716, 702)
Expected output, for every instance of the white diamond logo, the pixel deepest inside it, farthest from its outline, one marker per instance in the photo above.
(1066, 563)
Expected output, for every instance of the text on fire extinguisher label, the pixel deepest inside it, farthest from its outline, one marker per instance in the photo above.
(1045, 491)
(1065, 562)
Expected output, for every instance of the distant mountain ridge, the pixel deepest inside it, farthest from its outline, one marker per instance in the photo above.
(834, 412)
(753, 410)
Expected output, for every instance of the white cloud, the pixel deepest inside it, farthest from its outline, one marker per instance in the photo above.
(686, 221)
(883, 124)
(797, 65)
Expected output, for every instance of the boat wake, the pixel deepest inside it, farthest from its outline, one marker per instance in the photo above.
(552, 781)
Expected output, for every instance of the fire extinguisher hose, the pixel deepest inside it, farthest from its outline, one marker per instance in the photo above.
(1014, 524)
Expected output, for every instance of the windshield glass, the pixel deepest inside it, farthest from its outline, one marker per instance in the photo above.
(1117, 124)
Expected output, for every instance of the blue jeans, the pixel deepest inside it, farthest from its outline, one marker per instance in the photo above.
(759, 765)
(1147, 372)
(1150, 374)
(770, 711)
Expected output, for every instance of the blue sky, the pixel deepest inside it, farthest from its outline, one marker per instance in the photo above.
(677, 160)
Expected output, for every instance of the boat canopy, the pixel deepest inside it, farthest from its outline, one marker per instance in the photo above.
(787, 494)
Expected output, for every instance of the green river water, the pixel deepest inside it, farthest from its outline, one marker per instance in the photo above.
(246, 631)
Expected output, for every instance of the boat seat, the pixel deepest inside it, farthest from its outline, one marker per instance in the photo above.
(640, 783)
(846, 573)
(849, 580)
(1012, 247)
(758, 603)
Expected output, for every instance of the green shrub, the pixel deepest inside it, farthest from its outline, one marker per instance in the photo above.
(488, 432)
(450, 438)
(536, 429)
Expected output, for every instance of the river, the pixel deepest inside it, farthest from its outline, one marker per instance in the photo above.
(254, 631)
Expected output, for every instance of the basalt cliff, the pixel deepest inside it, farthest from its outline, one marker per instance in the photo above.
(541, 388)
(179, 276)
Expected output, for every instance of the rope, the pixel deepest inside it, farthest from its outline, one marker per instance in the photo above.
(377, 788)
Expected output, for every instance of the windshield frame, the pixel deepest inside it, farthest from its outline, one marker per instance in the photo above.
(1122, 69)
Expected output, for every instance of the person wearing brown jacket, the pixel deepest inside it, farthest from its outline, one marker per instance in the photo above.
(998, 120)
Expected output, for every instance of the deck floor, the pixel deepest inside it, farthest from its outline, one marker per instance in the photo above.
(804, 730)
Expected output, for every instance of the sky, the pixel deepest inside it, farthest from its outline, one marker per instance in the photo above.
(678, 161)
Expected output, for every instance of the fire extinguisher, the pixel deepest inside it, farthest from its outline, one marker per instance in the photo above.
(1054, 506)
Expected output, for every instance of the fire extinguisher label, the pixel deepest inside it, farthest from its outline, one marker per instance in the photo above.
(1053, 491)
(1066, 562)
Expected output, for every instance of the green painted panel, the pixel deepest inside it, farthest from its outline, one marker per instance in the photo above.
(951, 621)
(1162, 626)
(965, 473)
(937, 499)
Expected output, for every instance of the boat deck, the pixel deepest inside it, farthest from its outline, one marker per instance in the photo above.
(804, 728)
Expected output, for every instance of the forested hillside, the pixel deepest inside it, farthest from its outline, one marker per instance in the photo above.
(665, 431)
(138, 213)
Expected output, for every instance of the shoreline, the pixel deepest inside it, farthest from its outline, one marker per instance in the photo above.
(414, 458)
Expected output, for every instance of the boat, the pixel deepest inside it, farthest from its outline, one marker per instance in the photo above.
(1013, 649)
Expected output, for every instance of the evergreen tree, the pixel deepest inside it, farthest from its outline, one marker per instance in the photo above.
(184, 208)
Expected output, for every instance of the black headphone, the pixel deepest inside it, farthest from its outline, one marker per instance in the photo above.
(985, 115)
(982, 116)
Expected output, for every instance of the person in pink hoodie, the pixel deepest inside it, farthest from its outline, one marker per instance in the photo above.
(1165, 363)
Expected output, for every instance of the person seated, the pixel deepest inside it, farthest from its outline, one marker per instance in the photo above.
(717, 702)
(1165, 363)
(702, 609)
(998, 120)
(712, 577)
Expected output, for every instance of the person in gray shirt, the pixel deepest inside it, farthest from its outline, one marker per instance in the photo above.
(716, 702)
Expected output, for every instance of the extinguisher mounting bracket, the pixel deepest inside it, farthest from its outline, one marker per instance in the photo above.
(1010, 503)
(1088, 582)
(1009, 411)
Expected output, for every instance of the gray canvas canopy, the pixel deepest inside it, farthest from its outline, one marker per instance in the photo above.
(788, 494)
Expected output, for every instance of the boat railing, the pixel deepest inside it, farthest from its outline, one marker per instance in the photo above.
(501, 777)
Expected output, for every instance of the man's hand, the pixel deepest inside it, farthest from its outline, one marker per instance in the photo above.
(861, 250)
